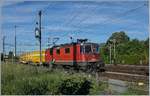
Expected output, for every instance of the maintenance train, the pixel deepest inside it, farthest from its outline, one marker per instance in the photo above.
(80, 55)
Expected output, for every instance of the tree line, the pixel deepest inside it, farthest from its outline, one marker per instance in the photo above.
(120, 49)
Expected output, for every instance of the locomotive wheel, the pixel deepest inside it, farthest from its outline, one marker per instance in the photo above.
(91, 68)
(94, 68)
(88, 69)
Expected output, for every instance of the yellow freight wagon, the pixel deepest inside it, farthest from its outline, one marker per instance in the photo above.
(32, 57)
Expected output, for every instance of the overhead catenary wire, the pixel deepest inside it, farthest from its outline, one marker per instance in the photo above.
(34, 22)
(129, 11)
(69, 21)
(51, 5)
(74, 16)
(125, 14)
(106, 21)
(22, 25)
(116, 30)
(79, 15)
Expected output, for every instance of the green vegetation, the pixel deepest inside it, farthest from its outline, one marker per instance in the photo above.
(20, 79)
(131, 91)
(127, 51)
(136, 90)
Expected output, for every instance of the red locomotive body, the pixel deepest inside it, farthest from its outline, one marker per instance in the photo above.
(85, 55)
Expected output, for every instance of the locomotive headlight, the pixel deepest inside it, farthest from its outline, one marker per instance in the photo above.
(37, 33)
(81, 43)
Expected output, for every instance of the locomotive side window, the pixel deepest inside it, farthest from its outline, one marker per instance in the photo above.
(58, 51)
(88, 49)
(67, 50)
(51, 51)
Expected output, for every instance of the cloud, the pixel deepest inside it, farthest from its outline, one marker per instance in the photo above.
(58, 29)
(92, 17)
(136, 32)
(103, 19)
(7, 3)
(17, 19)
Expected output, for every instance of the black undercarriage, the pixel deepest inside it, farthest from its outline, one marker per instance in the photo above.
(90, 67)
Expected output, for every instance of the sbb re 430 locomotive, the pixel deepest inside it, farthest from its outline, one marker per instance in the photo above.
(80, 55)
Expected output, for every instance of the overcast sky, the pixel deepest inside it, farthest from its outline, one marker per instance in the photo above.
(93, 20)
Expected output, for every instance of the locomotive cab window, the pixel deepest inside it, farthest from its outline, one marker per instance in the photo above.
(57, 51)
(95, 48)
(88, 49)
(67, 50)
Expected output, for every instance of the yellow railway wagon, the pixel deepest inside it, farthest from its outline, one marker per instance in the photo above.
(32, 57)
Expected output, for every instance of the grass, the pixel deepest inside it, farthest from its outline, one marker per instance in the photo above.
(134, 89)
(19, 79)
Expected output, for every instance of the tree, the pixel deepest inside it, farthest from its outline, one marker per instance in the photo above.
(146, 51)
(104, 53)
(147, 42)
(120, 37)
(128, 51)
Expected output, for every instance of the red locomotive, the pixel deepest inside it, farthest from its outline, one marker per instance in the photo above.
(80, 55)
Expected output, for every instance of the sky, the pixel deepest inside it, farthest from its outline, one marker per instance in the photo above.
(94, 20)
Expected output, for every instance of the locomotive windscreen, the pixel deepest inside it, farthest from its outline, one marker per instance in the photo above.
(95, 48)
(89, 48)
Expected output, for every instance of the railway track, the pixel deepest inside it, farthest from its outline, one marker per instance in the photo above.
(131, 69)
(125, 77)
(129, 73)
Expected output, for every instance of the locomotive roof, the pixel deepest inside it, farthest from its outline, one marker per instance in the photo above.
(69, 44)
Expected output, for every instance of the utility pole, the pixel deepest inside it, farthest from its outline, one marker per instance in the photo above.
(15, 41)
(110, 53)
(3, 57)
(38, 34)
(3, 45)
(114, 41)
(40, 13)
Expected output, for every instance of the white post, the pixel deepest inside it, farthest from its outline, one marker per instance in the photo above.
(110, 53)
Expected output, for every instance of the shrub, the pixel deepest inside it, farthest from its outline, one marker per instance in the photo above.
(75, 86)
(98, 89)
(33, 86)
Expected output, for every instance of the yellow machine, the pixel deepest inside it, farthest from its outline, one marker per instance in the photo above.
(32, 57)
